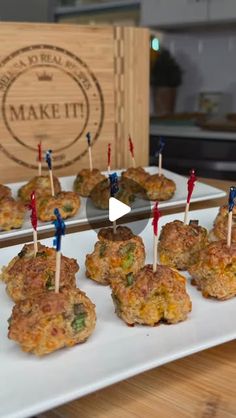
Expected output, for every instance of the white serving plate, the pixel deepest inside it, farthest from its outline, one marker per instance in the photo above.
(201, 192)
(29, 385)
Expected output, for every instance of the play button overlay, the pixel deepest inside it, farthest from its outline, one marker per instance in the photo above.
(117, 209)
(103, 209)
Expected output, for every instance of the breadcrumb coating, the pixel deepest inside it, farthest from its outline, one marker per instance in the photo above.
(180, 244)
(40, 185)
(86, 180)
(51, 321)
(214, 273)
(149, 297)
(68, 204)
(115, 254)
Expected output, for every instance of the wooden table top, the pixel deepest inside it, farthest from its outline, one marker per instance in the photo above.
(202, 385)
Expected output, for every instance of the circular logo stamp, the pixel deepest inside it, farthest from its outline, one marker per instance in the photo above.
(48, 94)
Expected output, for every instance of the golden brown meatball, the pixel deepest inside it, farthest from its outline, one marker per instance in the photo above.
(12, 214)
(214, 273)
(40, 185)
(101, 193)
(115, 254)
(27, 276)
(148, 298)
(220, 228)
(68, 204)
(51, 321)
(4, 191)
(180, 244)
(134, 178)
(159, 188)
(86, 180)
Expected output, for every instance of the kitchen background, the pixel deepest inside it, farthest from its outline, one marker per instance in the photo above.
(200, 127)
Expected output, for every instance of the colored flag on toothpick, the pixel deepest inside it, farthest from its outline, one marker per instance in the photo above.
(159, 153)
(156, 217)
(60, 230)
(34, 221)
(39, 159)
(191, 183)
(131, 148)
(88, 136)
(114, 188)
(48, 159)
(232, 199)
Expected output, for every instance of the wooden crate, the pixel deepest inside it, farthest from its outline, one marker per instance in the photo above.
(57, 82)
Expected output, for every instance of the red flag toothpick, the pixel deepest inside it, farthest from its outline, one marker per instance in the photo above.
(34, 221)
(39, 159)
(131, 148)
(191, 183)
(109, 158)
(156, 217)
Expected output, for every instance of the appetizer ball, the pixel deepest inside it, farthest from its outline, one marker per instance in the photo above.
(40, 185)
(135, 178)
(159, 188)
(12, 214)
(27, 276)
(101, 193)
(115, 254)
(214, 273)
(86, 180)
(180, 244)
(51, 321)
(4, 191)
(147, 298)
(220, 228)
(68, 204)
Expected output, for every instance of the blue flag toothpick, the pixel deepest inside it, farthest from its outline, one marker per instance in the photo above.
(48, 158)
(88, 136)
(114, 187)
(231, 203)
(60, 230)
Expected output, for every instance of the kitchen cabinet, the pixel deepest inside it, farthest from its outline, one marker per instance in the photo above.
(166, 13)
(222, 10)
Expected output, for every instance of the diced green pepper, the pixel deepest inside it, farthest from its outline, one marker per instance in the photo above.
(125, 249)
(130, 279)
(67, 208)
(102, 250)
(128, 261)
(50, 285)
(78, 322)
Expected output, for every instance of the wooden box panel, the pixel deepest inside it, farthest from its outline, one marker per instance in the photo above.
(57, 82)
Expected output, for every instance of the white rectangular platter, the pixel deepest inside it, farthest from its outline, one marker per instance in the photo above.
(201, 192)
(114, 352)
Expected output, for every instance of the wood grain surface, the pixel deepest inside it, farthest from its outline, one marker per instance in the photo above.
(202, 385)
(57, 82)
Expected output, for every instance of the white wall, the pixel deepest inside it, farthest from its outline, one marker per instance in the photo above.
(209, 63)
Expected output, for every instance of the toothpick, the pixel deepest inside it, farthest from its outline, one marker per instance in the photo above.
(229, 233)
(160, 164)
(231, 203)
(60, 230)
(156, 217)
(161, 146)
(155, 253)
(88, 136)
(39, 159)
(58, 271)
(114, 227)
(52, 183)
(49, 163)
(191, 184)
(35, 238)
(131, 148)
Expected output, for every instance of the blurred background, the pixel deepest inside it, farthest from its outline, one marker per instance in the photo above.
(192, 71)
